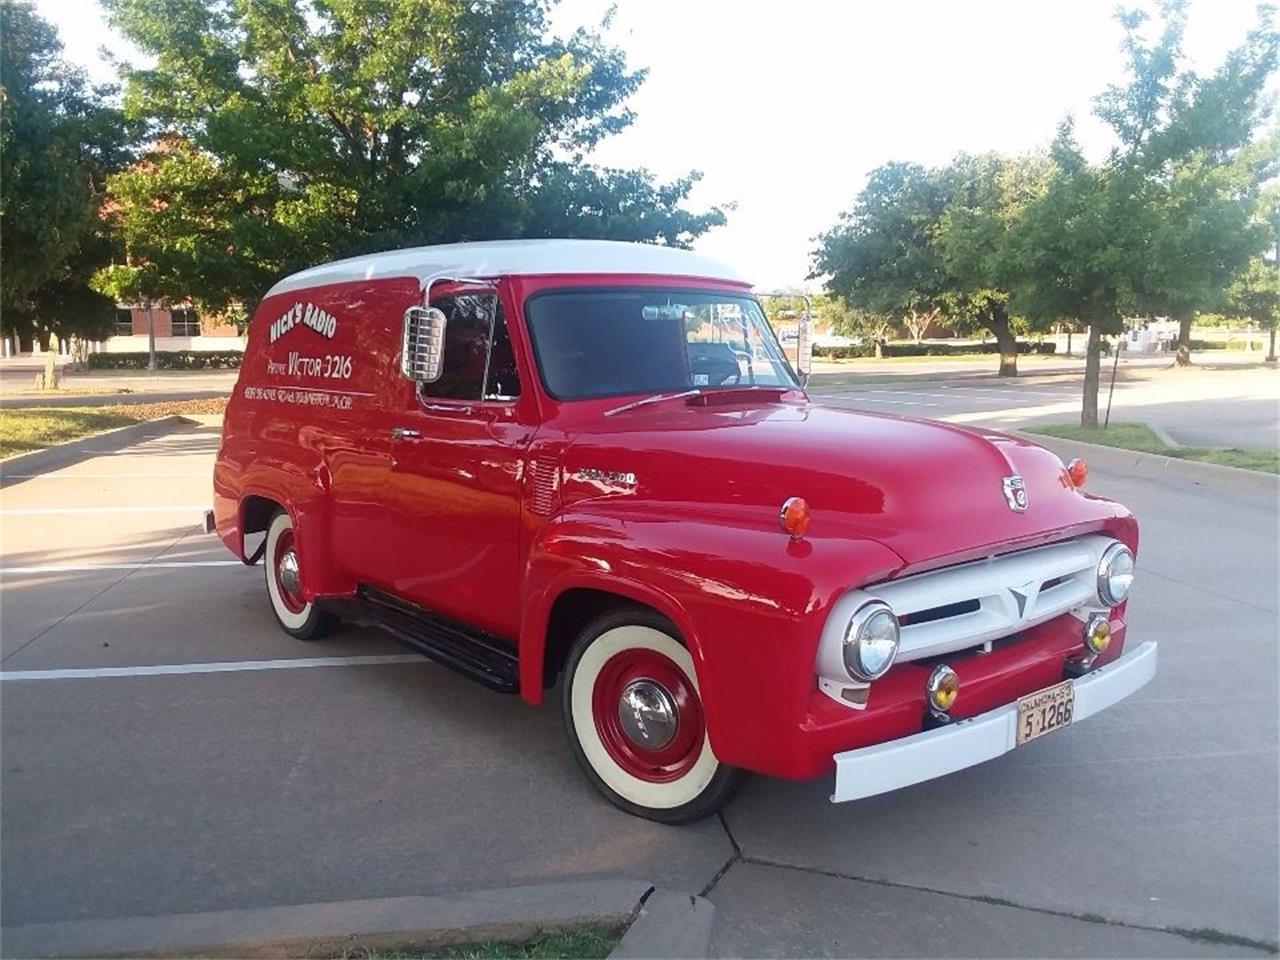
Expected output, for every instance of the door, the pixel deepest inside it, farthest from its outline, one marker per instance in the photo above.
(457, 453)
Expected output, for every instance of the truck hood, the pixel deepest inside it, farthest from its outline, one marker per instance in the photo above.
(931, 492)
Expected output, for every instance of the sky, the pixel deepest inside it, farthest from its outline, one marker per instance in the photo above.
(785, 107)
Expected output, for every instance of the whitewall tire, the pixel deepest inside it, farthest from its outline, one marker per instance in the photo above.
(634, 717)
(281, 560)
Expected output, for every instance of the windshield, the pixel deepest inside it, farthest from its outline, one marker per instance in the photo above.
(601, 343)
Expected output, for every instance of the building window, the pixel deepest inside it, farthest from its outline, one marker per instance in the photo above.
(185, 322)
(124, 322)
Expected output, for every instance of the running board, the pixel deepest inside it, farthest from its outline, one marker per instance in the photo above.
(480, 656)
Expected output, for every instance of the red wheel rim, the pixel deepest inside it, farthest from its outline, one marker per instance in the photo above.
(285, 544)
(673, 759)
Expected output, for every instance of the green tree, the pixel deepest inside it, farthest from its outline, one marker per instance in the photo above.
(882, 257)
(347, 126)
(990, 194)
(58, 141)
(1254, 296)
(1204, 171)
(1163, 224)
(194, 228)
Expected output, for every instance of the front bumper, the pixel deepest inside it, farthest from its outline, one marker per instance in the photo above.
(899, 763)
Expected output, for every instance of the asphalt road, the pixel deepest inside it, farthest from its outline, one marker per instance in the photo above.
(266, 781)
(1229, 405)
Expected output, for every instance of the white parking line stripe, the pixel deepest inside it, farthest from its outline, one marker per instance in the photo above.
(41, 511)
(109, 476)
(232, 666)
(91, 567)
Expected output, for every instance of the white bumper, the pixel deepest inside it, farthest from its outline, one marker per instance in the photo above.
(923, 756)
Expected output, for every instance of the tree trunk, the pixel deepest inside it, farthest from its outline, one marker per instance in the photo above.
(26, 341)
(998, 324)
(1092, 367)
(43, 336)
(1184, 343)
(1271, 353)
(151, 338)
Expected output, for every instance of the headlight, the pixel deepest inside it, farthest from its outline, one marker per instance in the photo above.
(1115, 574)
(871, 641)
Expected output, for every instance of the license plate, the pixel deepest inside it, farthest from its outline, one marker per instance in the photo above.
(1045, 711)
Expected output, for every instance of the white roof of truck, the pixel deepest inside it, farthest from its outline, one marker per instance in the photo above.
(496, 258)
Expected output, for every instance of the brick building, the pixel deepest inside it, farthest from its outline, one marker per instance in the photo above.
(177, 328)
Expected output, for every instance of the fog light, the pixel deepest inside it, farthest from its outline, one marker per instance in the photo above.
(943, 687)
(1097, 633)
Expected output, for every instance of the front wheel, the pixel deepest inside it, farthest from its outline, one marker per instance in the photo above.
(634, 719)
(299, 618)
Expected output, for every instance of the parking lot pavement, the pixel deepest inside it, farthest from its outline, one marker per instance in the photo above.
(1237, 406)
(147, 793)
(127, 792)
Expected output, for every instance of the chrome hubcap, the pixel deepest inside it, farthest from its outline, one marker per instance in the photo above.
(289, 571)
(647, 714)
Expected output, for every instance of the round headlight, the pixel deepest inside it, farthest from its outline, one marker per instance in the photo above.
(871, 641)
(1115, 574)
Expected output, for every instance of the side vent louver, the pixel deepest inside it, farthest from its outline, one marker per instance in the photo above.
(542, 479)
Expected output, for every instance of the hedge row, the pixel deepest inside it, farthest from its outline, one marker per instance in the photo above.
(926, 349)
(168, 360)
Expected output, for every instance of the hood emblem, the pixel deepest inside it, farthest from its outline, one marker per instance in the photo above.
(1015, 493)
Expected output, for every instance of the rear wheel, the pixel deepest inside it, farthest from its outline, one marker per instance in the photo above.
(301, 619)
(634, 718)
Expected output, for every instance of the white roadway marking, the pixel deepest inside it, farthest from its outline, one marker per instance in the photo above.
(40, 511)
(109, 476)
(231, 666)
(141, 565)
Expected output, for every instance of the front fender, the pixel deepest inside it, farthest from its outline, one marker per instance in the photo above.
(748, 601)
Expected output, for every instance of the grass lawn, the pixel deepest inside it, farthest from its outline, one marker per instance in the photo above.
(1138, 436)
(587, 942)
(23, 429)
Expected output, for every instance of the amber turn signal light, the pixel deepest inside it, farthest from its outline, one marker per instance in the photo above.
(1097, 633)
(794, 517)
(943, 688)
(1078, 471)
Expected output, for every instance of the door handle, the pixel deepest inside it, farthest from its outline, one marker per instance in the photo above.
(405, 433)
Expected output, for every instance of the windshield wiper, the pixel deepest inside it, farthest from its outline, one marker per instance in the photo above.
(656, 398)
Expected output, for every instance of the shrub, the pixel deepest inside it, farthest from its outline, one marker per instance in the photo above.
(927, 349)
(168, 360)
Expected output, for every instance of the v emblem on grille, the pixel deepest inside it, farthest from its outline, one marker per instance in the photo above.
(1025, 595)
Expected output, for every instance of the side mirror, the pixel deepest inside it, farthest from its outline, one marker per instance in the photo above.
(422, 350)
(804, 348)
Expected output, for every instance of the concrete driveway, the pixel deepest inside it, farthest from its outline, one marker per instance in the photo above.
(256, 770)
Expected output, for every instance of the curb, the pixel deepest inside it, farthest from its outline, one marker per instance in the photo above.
(668, 926)
(62, 454)
(1153, 465)
(20, 401)
(332, 929)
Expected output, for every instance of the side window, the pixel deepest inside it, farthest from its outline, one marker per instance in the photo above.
(476, 344)
(504, 381)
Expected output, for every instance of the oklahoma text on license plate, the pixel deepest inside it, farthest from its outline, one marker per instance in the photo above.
(1045, 711)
